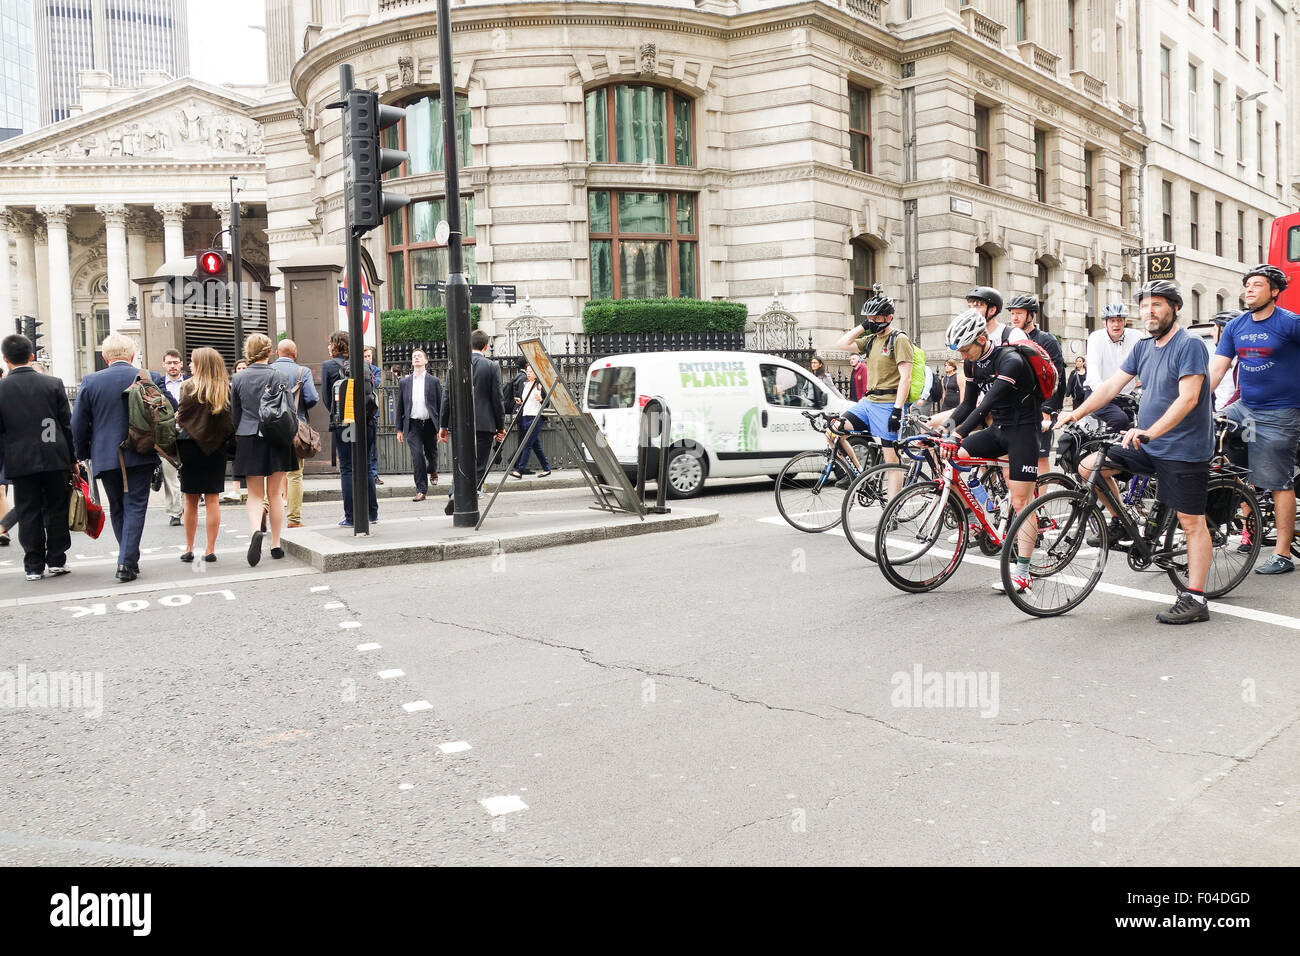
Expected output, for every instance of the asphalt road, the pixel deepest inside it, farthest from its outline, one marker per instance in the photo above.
(725, 695)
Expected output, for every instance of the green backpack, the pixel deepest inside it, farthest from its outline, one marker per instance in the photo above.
(918, 364)
(151, 422)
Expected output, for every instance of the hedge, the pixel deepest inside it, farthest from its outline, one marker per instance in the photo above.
(419, 325)
(624, 316)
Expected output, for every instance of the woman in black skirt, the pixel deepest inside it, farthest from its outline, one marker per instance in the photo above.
(205, 425)
(263, 463)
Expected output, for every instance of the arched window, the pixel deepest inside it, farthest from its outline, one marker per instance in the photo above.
(864, 274)
(640, 123)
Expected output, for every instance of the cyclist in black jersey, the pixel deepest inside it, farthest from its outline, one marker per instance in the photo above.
(1000, 382)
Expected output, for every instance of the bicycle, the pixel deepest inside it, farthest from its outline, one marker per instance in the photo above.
(908, 532)
(811, 485)
(1073, 539)
(1268, 515)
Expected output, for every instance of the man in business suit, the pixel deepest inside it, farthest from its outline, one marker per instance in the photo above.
(36, 430)
(419, 411)
(286, 361)
(489, 410)
(99, 426)
(169, 382)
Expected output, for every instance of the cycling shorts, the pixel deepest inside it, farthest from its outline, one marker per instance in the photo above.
(1019, 443)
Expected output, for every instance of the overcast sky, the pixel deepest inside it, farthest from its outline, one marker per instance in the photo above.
(223, 49)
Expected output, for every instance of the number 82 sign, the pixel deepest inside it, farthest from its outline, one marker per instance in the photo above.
(1160, 266)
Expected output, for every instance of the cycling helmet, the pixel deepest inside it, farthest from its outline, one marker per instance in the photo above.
(1162, 288)
(1024, 301)
(878, 305)
(965, 329)
(1115, 310)
(1223, 318)
(1275, 276)
(982, 293)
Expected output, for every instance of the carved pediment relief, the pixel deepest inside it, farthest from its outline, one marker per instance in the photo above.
(190, 128)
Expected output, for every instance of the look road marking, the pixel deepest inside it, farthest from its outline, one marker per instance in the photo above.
(1119, 590)
(117, 589)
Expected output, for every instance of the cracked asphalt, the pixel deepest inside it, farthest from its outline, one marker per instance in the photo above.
(734, 694)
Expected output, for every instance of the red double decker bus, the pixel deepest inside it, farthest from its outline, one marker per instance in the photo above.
(1284, 252)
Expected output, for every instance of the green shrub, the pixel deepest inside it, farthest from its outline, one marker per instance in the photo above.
(622, 316)
(419, 325)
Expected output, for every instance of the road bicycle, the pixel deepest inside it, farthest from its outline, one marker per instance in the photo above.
(810, 488)
(923, 532)
(1073, 538)
(1268, 516)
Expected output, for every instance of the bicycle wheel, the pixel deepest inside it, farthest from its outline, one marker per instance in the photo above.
(912, 546)
(810, 490)
(1228, 565)
(863, 504)
(1063, 566)
(1054, 481)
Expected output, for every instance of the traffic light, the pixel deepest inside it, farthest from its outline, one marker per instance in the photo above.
(210, 264)
(32, 330)
(365, 161)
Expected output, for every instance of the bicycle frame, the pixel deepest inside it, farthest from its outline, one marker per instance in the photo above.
(950, 482)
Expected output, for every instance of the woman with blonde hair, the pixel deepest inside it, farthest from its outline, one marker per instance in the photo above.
(262, 462)
(204, 425)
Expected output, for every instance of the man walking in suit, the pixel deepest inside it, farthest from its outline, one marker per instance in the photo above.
(287, 362)
(489, 411)
(36, 430)
(419, 410)
(99, 426)
(169, 383)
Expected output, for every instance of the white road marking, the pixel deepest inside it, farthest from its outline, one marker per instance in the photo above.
(417, 705)
(99, 562)
(455, 747)
(317, 588)
(332, 606)
(405, 786)
(349, 623)
(391, 673)
(143, 587)
(368, 647)
(510, 803)
(1119, 590)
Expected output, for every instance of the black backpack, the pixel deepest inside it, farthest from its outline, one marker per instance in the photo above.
(341, 411)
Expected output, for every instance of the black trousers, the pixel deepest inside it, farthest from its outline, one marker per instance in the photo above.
(41, 501)
(483, 442)
(422, 439)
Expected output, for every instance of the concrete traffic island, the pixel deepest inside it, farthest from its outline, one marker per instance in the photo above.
(522, 522)
(329, 488)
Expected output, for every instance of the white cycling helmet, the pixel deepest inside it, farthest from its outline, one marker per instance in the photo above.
(965, 329)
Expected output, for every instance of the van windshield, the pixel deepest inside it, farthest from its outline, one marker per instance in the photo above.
(612, 387)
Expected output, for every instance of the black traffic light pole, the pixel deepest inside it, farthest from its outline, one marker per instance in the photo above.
(463, 453)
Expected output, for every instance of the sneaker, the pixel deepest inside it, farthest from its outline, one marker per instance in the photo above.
(345, 523)
(1247, 545)
(35, 575)
(1186, 610)
(1020, 580)
(1276, 565)
(56, 572)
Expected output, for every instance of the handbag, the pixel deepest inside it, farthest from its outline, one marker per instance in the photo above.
(306, 440)
(84, 513)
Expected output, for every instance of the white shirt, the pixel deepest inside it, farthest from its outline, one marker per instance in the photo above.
(174, 387)
(533, 403)
(1105, 357)
(995, 335)
(418, 408)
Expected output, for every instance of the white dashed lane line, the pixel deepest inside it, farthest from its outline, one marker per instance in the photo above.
(372, 646)
(349, 623)
(332, 606)
(417, 705)
(455, 747)
(317, 588)
(509, 803)
(391, 673)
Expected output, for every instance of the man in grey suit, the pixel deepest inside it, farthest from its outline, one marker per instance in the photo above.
(489, 410)
(287, 362)
(99, 426)
(36, 437)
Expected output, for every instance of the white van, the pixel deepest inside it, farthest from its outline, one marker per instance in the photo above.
(734, 414)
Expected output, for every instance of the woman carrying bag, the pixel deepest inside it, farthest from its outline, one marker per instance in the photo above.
(263, 463)
(205, 426)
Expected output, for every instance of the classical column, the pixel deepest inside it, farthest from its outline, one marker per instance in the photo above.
(6, 275)
(173, 216)
(137, 258)
(62, 350)
(23, 226)
(118, 275)
(223, 210)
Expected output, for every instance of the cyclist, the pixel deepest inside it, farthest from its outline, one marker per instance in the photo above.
(999, 381)
(1107, 349)
(1228, 390)
(1265, 340)
(988, 303)
(1176, 422)
(1024, 310)
(889, 374)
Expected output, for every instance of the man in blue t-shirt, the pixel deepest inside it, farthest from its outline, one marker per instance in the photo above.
(1265, 341)
(1174, 437)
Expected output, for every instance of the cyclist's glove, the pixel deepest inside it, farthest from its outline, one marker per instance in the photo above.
(895, 420)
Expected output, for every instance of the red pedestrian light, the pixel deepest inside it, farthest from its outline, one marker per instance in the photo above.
(211, 264)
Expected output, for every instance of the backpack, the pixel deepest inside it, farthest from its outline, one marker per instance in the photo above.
(1042, 364)
(918, 365)
(277, 417)
(935, 397)
(343, 406)
(150, 422)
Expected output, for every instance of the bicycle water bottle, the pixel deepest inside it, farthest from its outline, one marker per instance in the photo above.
(977, 489)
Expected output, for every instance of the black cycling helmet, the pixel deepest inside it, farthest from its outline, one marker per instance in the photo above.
(878, 305)
(1275, 276)
(982, 293)
(1024, 301)
(1162, 288)
(1223, 318)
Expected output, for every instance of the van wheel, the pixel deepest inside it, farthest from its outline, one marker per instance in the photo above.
(687, 470)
